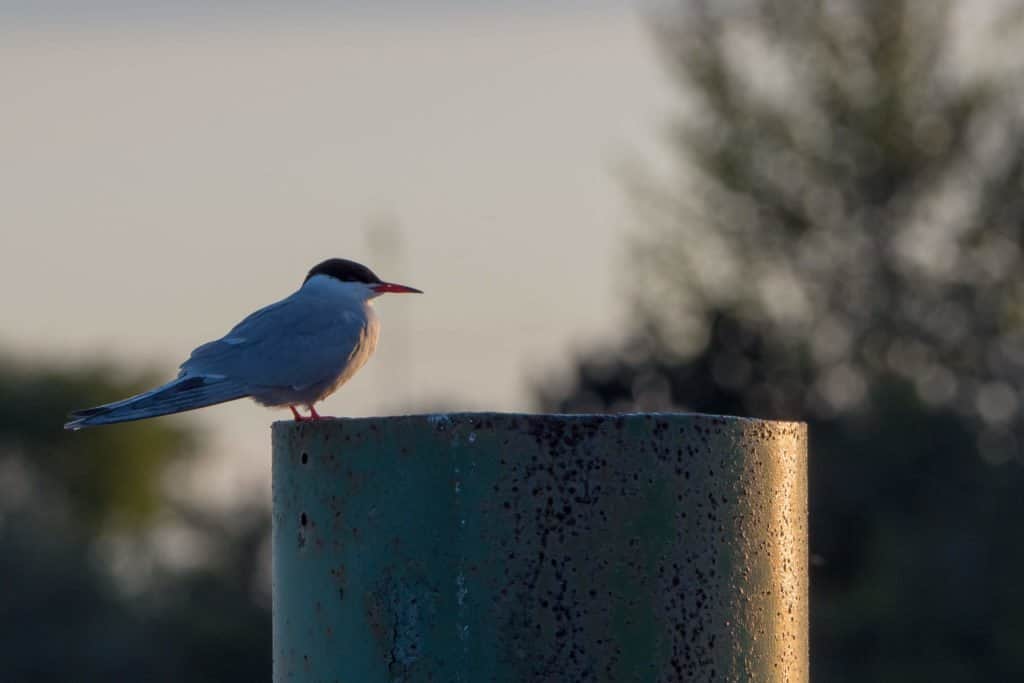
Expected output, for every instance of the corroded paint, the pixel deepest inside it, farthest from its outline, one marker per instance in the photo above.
(502, 547)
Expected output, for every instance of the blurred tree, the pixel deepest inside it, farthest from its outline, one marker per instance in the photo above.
(99, 476)
(68, 501)
(840, 242)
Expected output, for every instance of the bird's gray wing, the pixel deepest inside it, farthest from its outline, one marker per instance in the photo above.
(297, 342)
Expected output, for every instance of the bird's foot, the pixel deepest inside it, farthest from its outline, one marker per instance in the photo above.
(313, 415)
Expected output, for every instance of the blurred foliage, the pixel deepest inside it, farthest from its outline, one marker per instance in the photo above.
(89, 595)
(103, 476)
(840, 241)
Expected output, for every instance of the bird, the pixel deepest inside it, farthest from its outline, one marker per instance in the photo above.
(292, 353)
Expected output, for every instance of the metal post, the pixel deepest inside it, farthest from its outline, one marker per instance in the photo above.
(517, 548)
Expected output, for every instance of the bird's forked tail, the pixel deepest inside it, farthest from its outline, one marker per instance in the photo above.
(179, 395)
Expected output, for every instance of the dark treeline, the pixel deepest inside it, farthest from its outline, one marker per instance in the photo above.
(840, 242)
(86, 594)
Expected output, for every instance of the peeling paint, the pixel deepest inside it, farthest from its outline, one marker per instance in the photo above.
(439, 421)
(460, 589)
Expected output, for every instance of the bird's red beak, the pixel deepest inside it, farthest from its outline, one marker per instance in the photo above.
(392, 288)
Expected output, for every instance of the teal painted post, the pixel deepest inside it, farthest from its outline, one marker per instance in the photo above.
(515, 548)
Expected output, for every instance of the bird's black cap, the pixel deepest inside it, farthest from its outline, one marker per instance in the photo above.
(344, 270)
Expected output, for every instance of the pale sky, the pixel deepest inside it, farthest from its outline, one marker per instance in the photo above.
(165, 175)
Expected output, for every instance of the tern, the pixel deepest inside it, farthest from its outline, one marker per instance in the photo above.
(292, 353)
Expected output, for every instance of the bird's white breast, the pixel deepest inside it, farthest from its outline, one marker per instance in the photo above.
(366, 345)
(366, 320)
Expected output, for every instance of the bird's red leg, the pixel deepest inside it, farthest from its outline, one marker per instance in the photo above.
(298, 418)
(313, 415)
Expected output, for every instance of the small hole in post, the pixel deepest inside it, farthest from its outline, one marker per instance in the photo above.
(305, 458)
(303, 520)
